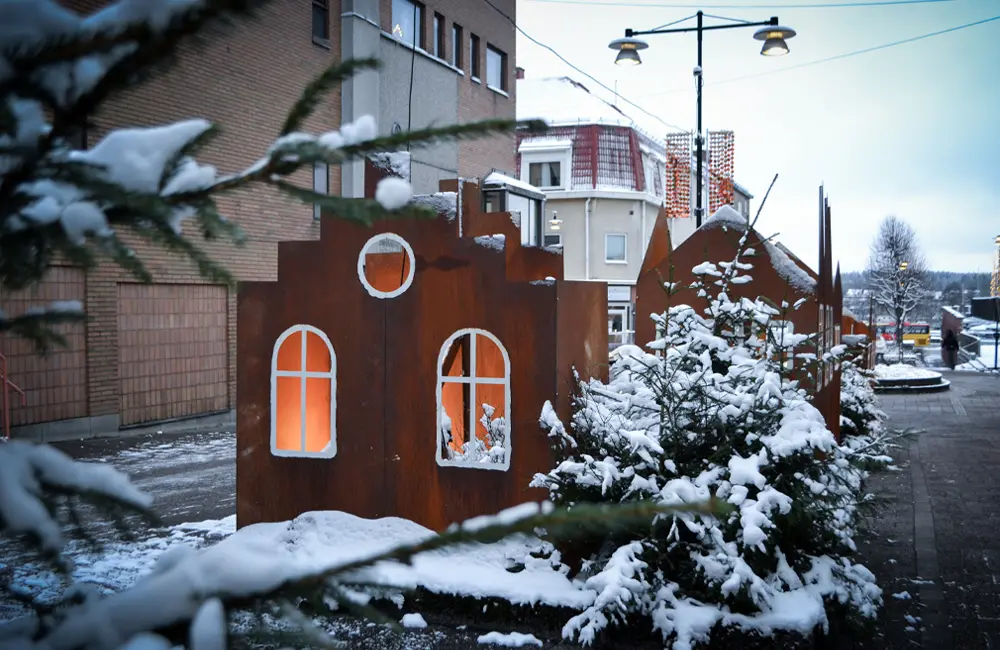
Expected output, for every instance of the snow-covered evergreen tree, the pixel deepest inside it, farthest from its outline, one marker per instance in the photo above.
(714, 412)
(860, 410)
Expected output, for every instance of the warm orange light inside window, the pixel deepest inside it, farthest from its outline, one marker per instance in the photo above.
(494, 395)
(289, 408)
(288, 413)
(387, 272)
(489, 360)
(454, 402)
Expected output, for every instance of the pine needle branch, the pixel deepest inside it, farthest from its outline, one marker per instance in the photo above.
(330, 78)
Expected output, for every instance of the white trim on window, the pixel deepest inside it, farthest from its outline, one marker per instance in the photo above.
(624, 237)
(331, 449)
(472, 381)
(557, 235)
(407, 249)
(561, 154)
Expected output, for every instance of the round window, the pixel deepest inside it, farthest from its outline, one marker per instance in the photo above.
(386, 265)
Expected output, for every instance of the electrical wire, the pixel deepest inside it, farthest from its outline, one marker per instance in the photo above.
(836, 57)
(581, 71)
(679, 5)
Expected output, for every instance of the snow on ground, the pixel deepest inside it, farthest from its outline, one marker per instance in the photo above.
(985, 359)
(903, 371)
(511, 640)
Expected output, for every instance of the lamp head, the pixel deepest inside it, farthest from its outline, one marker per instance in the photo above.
(774, 37)
(628, 50)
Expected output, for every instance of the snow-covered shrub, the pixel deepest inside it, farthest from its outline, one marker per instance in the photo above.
(714, 414)
(860, 410)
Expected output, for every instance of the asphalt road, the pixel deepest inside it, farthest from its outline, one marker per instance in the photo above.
(192, 477)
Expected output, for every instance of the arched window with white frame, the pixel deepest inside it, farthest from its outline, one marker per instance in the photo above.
(473, 401)
(303, 394)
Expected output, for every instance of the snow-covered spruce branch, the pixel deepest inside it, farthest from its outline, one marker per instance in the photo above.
(56, 71)
(211, 582)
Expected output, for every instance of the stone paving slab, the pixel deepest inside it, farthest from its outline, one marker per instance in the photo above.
(938, 537)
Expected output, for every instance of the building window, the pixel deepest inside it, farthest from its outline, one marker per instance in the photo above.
(408, 22)
(615, 244)
(456, 45)
(321, 20)
(474, 56)
(545, 174)
(553, 240)
(303, 394)
(321, 184)
(439, 36)
(473, 401)
(496, 68)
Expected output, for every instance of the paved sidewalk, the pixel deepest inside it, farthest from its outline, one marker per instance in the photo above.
(935, 546)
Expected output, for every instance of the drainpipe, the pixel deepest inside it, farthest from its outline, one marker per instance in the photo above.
(586, 238)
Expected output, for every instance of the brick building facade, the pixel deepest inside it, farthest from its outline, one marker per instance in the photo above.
(167, 350)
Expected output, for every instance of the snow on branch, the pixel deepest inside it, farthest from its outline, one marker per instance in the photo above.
(32, 477)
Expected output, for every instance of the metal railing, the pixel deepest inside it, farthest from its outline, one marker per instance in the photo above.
(5, 397)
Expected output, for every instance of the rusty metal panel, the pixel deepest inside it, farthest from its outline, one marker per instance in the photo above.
(319, 288)
(582, 321)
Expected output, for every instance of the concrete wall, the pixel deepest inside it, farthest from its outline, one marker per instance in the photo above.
(607, 215)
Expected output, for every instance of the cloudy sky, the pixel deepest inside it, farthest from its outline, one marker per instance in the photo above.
(909, 130)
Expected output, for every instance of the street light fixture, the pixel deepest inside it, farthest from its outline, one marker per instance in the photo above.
(555, 222)
(773, 35)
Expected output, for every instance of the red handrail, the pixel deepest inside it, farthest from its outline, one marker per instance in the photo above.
(5, 398)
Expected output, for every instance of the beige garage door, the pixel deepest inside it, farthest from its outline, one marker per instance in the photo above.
(172, 351)
(55, 386)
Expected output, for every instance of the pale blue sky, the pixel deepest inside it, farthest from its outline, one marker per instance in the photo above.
(910, 130)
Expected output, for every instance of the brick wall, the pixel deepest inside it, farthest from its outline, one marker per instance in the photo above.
(54, 385)
(476, 101)
(244, 78)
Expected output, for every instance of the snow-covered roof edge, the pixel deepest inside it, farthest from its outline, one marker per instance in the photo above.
(496, 178)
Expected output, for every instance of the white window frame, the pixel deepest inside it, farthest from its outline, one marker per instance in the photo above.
(615, 234)
(472, 380)
(540, 154)
(502, 85)
(407, 250)
(552, 234)
(549, 161)
(321, 170)
(331, 449)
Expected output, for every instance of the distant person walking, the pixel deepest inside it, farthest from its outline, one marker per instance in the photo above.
(950, 345)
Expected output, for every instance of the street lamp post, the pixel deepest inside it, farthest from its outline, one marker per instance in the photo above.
(770, 32)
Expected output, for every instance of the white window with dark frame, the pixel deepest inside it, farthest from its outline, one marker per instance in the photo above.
(438, 35)
(474, 57)
(615, 247)
(408, 22)
(496, 68)
(321, 184)
(545, 174)
(321, 21)
(473, 401)
(553, 240)
(456, 45)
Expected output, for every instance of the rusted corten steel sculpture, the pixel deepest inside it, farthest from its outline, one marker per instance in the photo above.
(430, 348)
(778, 274)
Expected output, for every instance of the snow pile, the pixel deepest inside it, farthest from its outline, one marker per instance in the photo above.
(446, 203)
(903, 371)
(713, 414)
(511, 640)
(29, 473)
(415, 621)
(396, 163)
(259, 558)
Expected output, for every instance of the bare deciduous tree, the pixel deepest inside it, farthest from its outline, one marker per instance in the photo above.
(896, 272)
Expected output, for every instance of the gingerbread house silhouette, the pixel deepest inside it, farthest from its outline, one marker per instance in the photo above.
(778, 274)
(401, 369)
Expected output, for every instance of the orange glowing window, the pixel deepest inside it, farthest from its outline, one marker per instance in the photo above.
(303, 394)
(473, 400)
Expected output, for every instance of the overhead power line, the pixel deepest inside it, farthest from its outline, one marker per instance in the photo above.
(581, 71)
(836, 57)
(684, 5)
